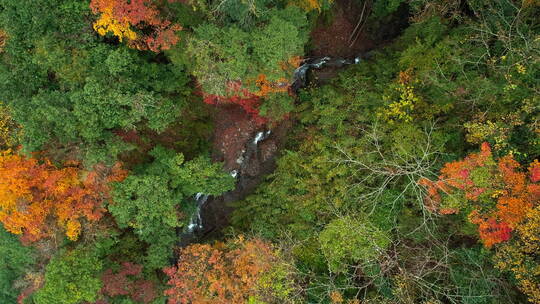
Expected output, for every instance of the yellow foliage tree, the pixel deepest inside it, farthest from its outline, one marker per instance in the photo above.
(3, 39)
(401, 110)
(108, 23)
(311, 5)
(120, 17)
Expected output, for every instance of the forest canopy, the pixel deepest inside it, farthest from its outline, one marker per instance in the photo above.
(269, 151)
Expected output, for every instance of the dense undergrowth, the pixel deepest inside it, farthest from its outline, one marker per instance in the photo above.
(411, 177)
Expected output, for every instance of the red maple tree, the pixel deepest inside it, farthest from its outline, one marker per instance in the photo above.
(238, 95)
(128, 282)
(498, 191)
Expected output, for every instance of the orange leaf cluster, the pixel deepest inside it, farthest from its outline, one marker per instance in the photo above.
(33, 193)
(281, 85)
(485, 183)
(219, 274)
(266, 87)
(292, 63)
(405, 77)
(118, 15)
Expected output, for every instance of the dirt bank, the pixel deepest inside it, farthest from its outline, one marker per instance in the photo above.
(339, 38)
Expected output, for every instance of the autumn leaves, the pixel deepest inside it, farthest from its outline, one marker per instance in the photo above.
(497, 193)
(37, 199)
(137, 21)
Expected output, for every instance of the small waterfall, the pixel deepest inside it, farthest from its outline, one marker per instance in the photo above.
(300, 74)
(247, 179)
(261, 136)
(241, 158)
(195, 223)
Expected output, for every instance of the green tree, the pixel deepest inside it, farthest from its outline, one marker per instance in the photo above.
(243, 13)
(347, 240)
(157, 198)
(15, 261)
(71, 277)
(70, 91)
(231, 54)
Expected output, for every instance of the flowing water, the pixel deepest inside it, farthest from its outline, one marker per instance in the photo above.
(300, 78)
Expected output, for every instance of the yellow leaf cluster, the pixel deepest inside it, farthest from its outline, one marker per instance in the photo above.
(3, 39)
(73, 229)
(519, 257)
(310, 5)
(401, 109)
(119, 28)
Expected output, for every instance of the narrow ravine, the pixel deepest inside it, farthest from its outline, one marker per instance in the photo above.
(253, 149)
(248, 150)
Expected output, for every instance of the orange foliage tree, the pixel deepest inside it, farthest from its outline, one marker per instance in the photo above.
(33, 193)
(498, 192)
(281, 85)
(122, 16)
(232, 273)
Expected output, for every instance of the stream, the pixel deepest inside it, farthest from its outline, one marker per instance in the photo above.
(247, 150)
(255, 160)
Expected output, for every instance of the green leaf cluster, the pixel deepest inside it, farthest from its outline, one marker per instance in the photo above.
(71, 277)
(15, 261)
(346, 241)
(230, 54)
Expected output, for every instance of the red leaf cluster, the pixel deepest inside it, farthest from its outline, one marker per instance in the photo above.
(240, 96)
(534, 171)
(490, 230)
(119, 284)
(25, 293)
